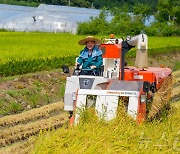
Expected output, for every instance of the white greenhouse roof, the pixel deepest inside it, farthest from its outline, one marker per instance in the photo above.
(48, 18)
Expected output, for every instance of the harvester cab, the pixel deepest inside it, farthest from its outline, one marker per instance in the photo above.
(138, 84)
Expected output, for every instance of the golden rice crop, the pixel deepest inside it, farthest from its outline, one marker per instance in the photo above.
(119, 136)
(161, 97)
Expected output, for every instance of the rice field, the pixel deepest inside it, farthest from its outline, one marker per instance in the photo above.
(23, 53)
(29, 52)
(27, 46)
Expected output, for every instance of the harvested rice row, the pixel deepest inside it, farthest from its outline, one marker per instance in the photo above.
(178, 79)
(176, 74)
(30, 115)
(21, 132)
(176, 91)
(161, 97)
(175, 94)
(23, 147)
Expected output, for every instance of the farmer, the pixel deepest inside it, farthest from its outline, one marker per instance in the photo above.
(90, 57)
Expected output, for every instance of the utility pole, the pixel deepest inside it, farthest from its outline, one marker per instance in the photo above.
(92, 6)
(69, 2)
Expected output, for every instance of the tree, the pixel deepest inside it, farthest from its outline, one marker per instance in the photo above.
(168, 10)
(142, 9)
(80, 3)
(118, 10)
(164, 10)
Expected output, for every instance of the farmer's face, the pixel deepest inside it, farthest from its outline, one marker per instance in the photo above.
(90, 45)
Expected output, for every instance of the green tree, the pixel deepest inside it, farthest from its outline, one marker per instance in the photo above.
(168, 10)
(96, 25)
(81, 3)
(142, 9)
(163, 8)
(126, 24)
(175, 11)
(118, 10)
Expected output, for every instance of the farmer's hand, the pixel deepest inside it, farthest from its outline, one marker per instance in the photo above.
(93, 67)
(76, 64)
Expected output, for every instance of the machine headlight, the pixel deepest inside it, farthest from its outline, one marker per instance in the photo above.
(143, 98)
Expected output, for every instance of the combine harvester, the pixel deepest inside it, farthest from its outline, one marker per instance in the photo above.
(147, 89)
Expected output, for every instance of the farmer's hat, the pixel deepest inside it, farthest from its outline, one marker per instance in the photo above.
(89, 38)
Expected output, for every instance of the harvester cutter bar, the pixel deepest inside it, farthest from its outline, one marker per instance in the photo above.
(106, 103)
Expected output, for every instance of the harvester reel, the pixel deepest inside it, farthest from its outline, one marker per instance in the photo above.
(161, 98)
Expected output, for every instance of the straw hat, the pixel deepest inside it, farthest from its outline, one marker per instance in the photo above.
(89, 38)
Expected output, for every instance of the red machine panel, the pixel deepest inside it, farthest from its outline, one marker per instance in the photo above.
(133, 74)
(152, 74)
(111, 50)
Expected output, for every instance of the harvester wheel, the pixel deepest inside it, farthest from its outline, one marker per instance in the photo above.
(161, 98)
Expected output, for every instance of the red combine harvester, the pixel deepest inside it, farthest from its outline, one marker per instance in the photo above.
(138, 84)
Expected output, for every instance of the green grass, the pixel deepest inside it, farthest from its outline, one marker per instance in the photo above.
(10, 107)
(162, 42)
(13, 93)
(14, 107)
(177, 66)
(123, 135)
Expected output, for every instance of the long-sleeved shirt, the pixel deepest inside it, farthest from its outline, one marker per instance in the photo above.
(87, 59)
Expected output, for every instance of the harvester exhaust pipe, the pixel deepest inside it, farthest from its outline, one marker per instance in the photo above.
(125, 48)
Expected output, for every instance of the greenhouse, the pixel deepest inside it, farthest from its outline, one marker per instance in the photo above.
(46, 18)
